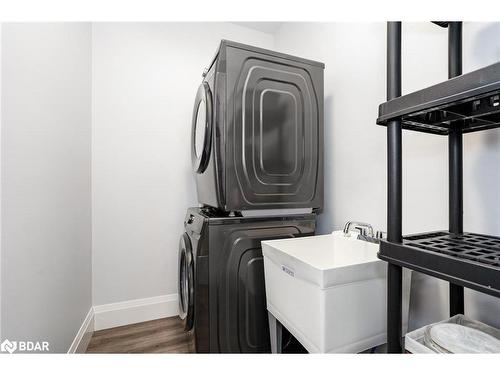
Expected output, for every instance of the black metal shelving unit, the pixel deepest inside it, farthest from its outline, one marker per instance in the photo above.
(462, 104)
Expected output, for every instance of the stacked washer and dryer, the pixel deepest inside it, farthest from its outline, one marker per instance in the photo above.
(257, 152)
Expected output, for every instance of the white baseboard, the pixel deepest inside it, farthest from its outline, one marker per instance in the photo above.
(82, 338)
(135, 311)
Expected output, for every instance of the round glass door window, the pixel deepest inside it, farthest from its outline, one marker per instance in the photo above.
(186, 282)
(202, 128)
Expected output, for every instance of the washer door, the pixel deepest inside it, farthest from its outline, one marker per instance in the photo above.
(186, 282)
(201, 128)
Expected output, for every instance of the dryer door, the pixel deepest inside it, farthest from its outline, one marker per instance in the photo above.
(186, 282)
(201, 138)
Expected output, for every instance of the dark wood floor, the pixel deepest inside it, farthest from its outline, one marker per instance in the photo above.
(156, 336)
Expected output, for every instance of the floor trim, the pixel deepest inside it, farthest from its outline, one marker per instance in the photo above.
(135, 311)
(84, 334)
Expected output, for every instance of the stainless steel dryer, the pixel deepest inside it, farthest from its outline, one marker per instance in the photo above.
(221, 277)
(257, 131)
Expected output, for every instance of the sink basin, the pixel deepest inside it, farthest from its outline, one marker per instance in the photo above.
(330, 291)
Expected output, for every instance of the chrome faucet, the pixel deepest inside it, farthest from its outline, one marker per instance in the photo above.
(365, 229)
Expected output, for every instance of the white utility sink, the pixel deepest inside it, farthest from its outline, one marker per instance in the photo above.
(330, 291)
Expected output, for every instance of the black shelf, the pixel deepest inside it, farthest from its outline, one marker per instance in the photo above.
(469, 259)
(464, 103)
(470, 102)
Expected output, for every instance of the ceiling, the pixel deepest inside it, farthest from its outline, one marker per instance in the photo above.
(266, 27)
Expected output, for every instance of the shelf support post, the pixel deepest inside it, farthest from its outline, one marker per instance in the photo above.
(455, 161)
(394, 184)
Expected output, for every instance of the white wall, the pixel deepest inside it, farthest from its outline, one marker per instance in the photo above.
(46, 228)
(145, 77)
(355, 148)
